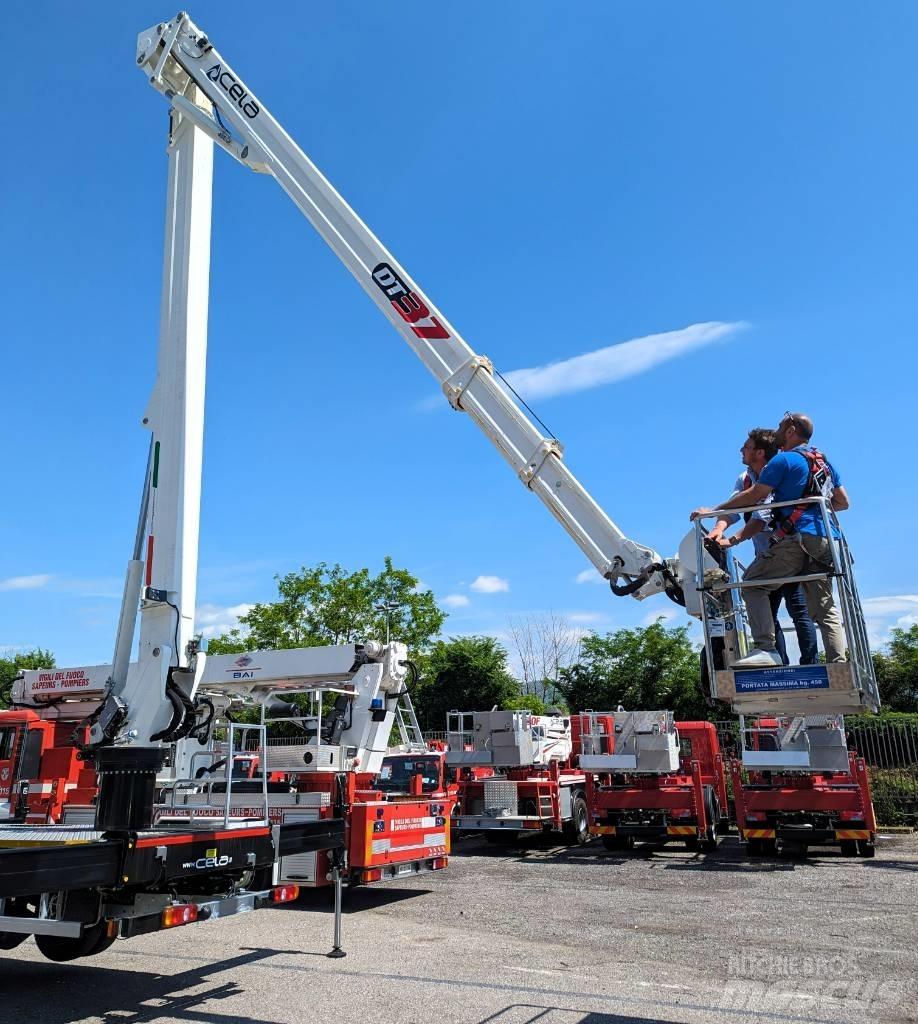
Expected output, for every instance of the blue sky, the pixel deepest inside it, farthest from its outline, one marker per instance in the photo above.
(560, 179)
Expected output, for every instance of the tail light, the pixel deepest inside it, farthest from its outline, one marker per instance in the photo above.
(372, 874)
(438, 862)
(532, 824)
(284, 893)
(181, 913)
(851, 815)
(755, 816)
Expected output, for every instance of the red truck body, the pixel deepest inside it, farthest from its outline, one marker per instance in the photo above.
(387, 834)
(799, 810)
(688, 805)
(40, 771)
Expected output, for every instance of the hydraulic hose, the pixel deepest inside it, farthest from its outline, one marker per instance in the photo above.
(672, 587)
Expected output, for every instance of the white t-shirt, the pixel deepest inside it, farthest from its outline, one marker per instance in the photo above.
(761, 542)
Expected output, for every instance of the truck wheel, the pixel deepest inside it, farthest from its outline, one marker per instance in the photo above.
(60, 950)
(10, 940)
(866, 848)
(755, 847)
(848, 847)
(712, 813)
(501, 837)
(577, 830)
(619, 843)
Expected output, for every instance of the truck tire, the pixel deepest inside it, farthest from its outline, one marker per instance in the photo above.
(712, 813)
(866, 848)
(10, 940)
(848, 847)
(501, 836)
(93, 940)
(618, 843)
(755, 847)
(577, 830)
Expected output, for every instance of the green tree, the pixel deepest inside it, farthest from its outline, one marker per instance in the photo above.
(465, 673)
(897, 670)
(11, 666)
(329, 605)
(526, 702)
(645, 668)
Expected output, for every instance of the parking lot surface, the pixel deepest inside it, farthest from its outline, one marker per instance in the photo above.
(537, 933)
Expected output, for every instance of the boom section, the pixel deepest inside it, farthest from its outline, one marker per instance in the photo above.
(177, 55)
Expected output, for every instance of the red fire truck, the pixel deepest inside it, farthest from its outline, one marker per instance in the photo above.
(792, 797)
(42, 780)
(516, 775)
(652, 779)
(388, 834)
(328, 761)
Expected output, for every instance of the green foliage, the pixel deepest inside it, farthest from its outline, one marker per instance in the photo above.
(329, 605)
(466, 673)
(11, 667)
(526, 702)
(897, 670)
(644, 668)
(895, 795)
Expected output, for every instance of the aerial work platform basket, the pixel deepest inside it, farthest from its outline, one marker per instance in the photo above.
(847, 687)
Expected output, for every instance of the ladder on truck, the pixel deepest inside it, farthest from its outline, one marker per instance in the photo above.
(406, 720)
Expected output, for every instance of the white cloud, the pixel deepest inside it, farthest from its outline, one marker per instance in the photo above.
(489, 585)
(25, 582)
(214, 620)
(587, 617)
(666, 614)
(455, 601)
(881, 614)
(617, 362)
(887, 606)
(589, 576)
(608, 364)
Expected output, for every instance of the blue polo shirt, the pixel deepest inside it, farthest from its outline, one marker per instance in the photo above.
(787, 474)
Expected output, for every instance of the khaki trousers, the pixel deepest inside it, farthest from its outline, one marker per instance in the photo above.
(796, 555)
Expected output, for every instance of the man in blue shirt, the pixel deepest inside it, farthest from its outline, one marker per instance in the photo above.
(801, 545)
(757, 451)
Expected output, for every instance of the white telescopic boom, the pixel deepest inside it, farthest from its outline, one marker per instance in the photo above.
(177, 55)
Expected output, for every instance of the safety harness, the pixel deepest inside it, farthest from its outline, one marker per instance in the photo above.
(819, 484)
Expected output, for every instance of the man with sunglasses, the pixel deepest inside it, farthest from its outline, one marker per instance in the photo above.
(800, 545)
(758, 450)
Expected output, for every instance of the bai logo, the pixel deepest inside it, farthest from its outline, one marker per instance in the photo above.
(242, 670)
(234, 90)
(408, 306)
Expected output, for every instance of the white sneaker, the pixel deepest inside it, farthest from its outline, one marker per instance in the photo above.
(758, 659)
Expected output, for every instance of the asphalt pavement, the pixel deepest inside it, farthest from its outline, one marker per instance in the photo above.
(522, 935)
